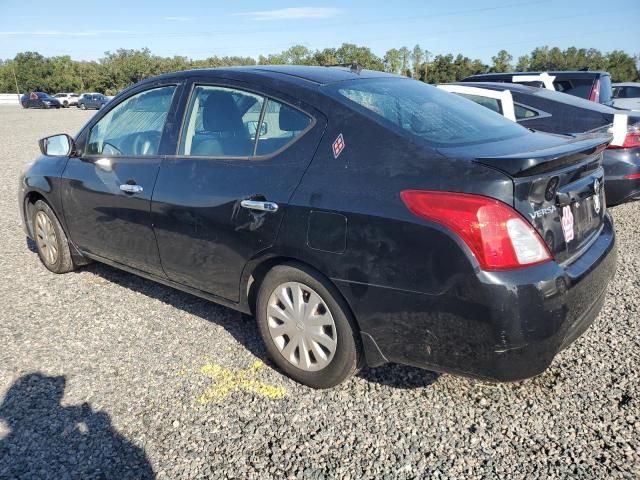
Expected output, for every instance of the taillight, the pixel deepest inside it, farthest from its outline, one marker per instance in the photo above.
(498, 236)
(595, 92)
(632, 176)
(632, 140)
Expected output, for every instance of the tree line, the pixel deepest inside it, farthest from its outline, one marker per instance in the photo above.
(29, 71)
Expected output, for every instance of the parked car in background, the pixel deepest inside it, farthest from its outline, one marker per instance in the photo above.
(67, 99)
(626, 95)
(379, 219)
(556, 112)
(594, 86)
(39, 100)
(92, 100)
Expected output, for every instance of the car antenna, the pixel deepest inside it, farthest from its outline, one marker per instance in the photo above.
(354, 67)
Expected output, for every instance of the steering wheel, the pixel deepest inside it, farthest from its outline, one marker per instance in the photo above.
(146, 143)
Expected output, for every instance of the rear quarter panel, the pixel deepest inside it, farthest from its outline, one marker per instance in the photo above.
(386, 245)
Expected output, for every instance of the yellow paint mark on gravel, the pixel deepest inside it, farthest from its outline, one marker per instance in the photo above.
(228, 381)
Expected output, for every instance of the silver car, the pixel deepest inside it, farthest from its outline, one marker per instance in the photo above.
(67, 99)
(626, 95)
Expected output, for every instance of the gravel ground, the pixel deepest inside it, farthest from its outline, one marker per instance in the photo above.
(106, 375)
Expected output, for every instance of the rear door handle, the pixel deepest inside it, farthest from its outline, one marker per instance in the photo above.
(259, 205)
(128, 188)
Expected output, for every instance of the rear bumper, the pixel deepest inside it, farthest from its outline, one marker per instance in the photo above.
(618, 164)
(501, 326)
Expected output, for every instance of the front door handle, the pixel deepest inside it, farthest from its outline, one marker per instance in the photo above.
(128, 188)
(259, 205)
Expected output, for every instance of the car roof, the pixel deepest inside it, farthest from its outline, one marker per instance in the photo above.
(314, 74)
(626, 84)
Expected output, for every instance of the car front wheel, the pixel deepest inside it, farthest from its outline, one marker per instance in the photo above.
(51, 241)
(307, 328)
(83, 106)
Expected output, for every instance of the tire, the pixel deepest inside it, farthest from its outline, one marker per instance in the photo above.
(50, 234)
(83, 106)
(326, 364)
(65, 104)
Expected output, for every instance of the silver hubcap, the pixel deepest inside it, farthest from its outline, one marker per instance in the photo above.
(301, 326)
(46, 238)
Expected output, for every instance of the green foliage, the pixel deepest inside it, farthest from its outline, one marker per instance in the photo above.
(524, 62)
(119, 69)
(621, 66)
(502, 62)
(393, 61)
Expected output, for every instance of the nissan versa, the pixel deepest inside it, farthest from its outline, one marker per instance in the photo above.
(361, 217)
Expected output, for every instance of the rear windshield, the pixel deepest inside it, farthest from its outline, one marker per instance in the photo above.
(425, 113)
(579, 87)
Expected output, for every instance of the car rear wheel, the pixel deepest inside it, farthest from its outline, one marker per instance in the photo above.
(51, 241)
(307, 328)
(65, 104)
(83, 106)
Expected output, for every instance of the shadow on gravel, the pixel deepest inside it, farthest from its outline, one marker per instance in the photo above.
(246, 332)
(49, 440)
(400, 376)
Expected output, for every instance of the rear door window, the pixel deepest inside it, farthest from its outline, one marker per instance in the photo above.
(229, 123)
(281, 124)
(219, 121)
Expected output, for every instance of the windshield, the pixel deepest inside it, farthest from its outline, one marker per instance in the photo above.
(425, 113)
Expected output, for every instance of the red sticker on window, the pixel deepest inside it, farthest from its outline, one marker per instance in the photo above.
(33, 96)
(338, 146)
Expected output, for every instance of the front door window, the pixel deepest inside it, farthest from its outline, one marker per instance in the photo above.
(133, 127)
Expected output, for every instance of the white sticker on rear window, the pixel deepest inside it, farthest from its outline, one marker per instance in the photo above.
(567, 224)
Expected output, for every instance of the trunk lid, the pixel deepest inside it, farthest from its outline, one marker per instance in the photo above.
(558, 185)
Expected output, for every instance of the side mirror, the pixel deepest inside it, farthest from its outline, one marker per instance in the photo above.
(252, 127)
(61, 145)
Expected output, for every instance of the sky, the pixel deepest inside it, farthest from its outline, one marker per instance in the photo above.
(199, 29)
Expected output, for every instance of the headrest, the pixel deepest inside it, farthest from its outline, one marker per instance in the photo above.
(220, 113)
(291, 120)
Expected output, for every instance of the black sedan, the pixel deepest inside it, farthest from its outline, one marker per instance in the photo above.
(39, 100)
(556, 112)
(361, 217)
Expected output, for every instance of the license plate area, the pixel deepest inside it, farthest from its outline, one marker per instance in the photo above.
(588, 215)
